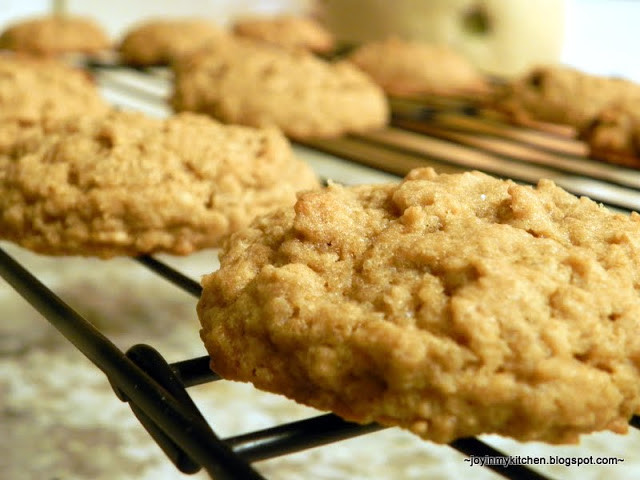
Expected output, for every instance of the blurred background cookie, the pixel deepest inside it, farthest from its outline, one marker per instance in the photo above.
(560, 94)
(411, 68)
(55, 35)
(36, 93)
(162, 40)
(244, 82)
(32, 89)
(614, 134)
(286, 31)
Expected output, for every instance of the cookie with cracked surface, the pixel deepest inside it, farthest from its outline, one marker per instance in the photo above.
(408, 68)
(286, 31)
(128, 184)
(562, 95)
(450, 305)
(55, 35)
(614, 134)
(240, 81)
(36, 92)
(161, 41)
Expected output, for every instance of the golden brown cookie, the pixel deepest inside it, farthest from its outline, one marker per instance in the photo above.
(286, 31)
(161, 41)
(243, 82)
(128, 184)
(614, 134)
(408, 68)
(450, 305)
(55, 35)
(563, 95)
(32, 89)
(35, 92)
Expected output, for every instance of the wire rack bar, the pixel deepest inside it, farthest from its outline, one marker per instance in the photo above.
(296, 436)
(504, 147)
(194, 371)
(172, 275)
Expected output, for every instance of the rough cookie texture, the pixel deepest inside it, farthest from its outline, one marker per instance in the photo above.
(36, 92)
(254, 84)
(406, 68)
(127, 184)
(55, 35)
(614, 134)
(161, 41)
(286, 31)
(559, 94)
(451, 305)
(34, 89)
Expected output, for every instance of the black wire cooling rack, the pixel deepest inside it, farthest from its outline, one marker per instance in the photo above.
(446, 134)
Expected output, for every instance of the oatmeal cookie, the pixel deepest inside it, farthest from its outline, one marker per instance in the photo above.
(161, 41)
(253, 84)
(36, 92)
(55, 35)
(128, 184)
(408, 68)
(286, 31)
(450, 305)
(614, 134)
(562, 95)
